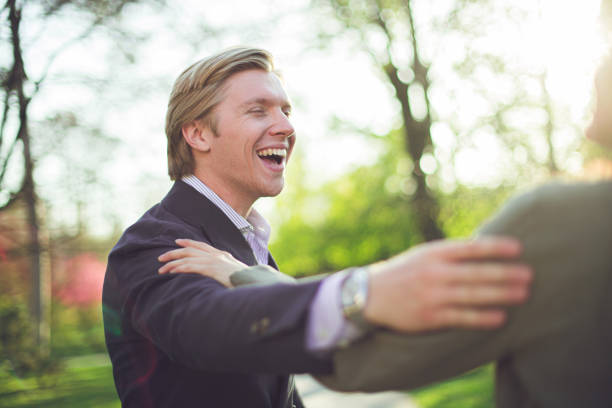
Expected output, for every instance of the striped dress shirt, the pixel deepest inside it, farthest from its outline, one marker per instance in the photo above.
(326, 327)
(254, 228)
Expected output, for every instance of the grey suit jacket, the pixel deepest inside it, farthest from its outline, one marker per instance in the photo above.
(555, 351)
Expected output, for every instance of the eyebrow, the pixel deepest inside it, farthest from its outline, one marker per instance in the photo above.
(264, 101)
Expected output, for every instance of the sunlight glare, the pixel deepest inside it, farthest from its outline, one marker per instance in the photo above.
(561, 41)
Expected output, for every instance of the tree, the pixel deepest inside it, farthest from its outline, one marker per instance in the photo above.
(356, 219)
(359, 218)
(16, 137)
(524, 115)
(453, 76)
(409, 78)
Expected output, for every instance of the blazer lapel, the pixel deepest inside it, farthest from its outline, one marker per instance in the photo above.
(195, 209)
(271, 261)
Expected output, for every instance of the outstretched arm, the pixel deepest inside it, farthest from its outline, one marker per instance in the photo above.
(434, 285)
(565, 231)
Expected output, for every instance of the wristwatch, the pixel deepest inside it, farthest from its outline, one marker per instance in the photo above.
(354, 296)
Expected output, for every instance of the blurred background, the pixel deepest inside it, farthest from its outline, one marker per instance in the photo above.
(416, 120)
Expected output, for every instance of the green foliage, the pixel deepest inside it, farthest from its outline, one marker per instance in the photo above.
(76, 331)
(87, 383)
(366, 215)
(354, 220)
(471, 390)
(465, 209)
(19, 354)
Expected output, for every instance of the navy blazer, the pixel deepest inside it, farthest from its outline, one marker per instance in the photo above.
(184, 340)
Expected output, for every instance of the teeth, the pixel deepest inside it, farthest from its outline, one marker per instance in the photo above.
(272, 152)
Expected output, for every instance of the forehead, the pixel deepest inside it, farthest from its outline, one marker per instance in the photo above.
(252, 85)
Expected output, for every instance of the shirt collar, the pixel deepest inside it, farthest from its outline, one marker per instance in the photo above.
(254, 222)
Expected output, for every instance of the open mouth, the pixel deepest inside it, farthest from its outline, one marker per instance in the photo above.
(276, 156)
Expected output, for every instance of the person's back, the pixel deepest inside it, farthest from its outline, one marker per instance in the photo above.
(554, 351)
(559, 342)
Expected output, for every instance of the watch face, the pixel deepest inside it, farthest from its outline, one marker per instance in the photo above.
(348, 291)
(354, 292)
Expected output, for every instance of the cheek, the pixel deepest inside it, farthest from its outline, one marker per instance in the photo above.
(292, 141)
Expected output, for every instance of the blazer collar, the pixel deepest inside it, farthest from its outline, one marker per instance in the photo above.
(195, 209)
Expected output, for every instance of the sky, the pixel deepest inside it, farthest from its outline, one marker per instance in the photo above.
(338, 80)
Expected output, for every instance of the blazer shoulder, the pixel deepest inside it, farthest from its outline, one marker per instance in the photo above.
(569, 207)
(156, 228)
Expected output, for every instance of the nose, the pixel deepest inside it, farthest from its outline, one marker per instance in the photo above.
(282, 125)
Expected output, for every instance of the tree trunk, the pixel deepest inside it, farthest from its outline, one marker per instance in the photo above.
(417, 133)
(417, 136)
(16, 82)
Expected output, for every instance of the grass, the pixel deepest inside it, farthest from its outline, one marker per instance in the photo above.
(85, 382)
(471, 390)
(88, 382)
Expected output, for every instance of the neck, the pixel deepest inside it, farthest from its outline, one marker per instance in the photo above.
(239, 201)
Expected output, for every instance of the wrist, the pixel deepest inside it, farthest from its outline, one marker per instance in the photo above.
(370, 312)
(354, 297)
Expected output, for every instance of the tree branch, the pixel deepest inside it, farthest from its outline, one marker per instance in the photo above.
(420, 69)
(12, 199)
(5, 112)
(383, 25)
(62, 48)
(7, 159)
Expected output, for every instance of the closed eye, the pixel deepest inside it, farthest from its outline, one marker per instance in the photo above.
(257, 111)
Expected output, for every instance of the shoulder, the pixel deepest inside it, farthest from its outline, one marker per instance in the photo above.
(564, 206)
(566, 232)
(156, 228)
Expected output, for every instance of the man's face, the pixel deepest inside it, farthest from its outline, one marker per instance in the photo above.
(600, 129)
(254, 137)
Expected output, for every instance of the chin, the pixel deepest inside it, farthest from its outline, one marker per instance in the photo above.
(273, 191)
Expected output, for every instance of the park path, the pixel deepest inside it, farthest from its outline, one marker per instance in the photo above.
(315, 395)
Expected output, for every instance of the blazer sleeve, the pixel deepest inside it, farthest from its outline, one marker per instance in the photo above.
(198, 322)
(566, 236)
(259, 275)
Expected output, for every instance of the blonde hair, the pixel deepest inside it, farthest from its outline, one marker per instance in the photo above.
(195, 94)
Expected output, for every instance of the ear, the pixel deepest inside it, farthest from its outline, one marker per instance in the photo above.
(197, 135)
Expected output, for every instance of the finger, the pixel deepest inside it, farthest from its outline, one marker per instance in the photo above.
(171, 266)
(184, 242)
(170, 255)
(185, 267)
(480, 248)
(485, 273)
(168, 266)
(179, 253)
(470, 318)
(484, 295)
